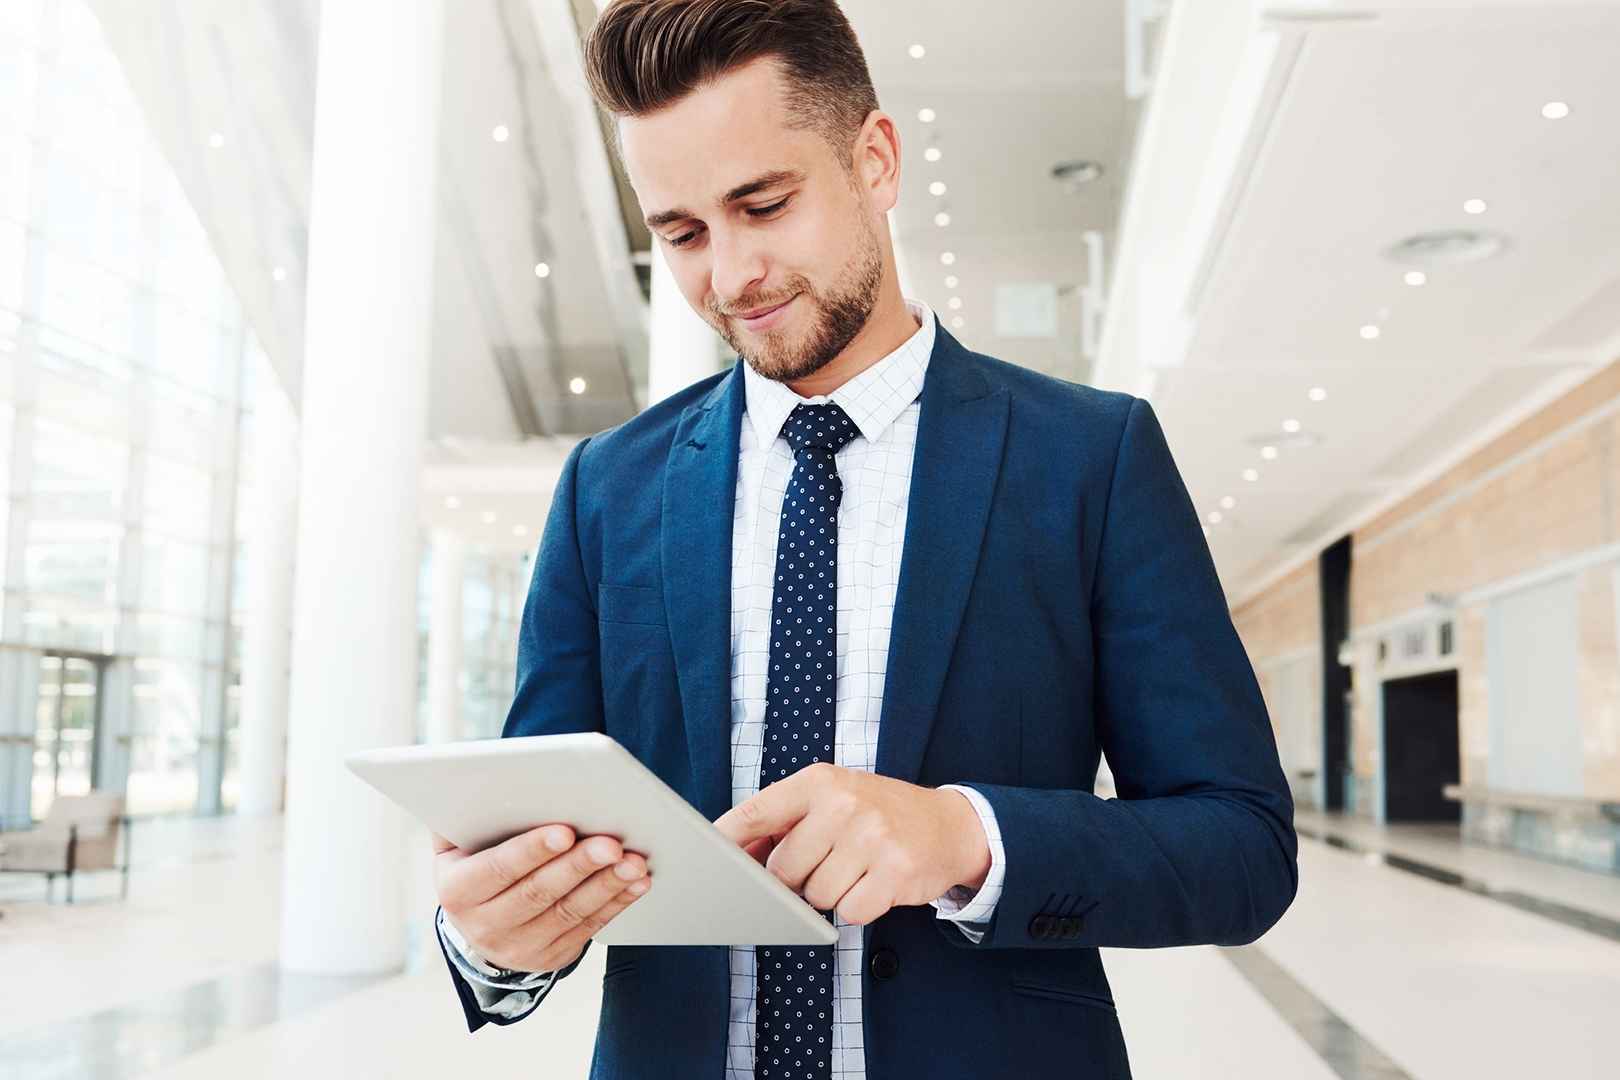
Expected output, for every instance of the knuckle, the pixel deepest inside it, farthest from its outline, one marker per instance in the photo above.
(535, 892)
(568, 912)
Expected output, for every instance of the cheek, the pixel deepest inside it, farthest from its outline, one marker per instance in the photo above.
(692, 272)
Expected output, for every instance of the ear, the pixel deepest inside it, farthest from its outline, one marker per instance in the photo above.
(877, 161)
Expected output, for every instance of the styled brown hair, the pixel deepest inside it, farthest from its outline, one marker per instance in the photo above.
(642, 56)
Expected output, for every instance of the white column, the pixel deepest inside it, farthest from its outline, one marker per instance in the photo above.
(681, 348)
(367, 323)
(444, 637)
(267, 632)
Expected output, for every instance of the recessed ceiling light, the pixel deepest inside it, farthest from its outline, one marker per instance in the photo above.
(577, 385)
(950, 282)
(1316, 393)
(1251, 475)
(279, 273)
(501, 133)
(1473, 206)
(926, 115)
(1214, 517)
(1555, 110)
(1268, 452)
(1228, 502)
(1415, 277)
(954, 303)
(932, 154)
(957, 323)
(488, 516)
(1369, 332)
(542, 270)
(917, 52)
(1453, 247)
(942, 218)
(1290, 426)
(520, 530)
(947, 258)
(451, 501)
(216, 140)
(937, 188)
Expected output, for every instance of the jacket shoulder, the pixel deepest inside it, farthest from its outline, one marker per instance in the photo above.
(1039, 398)
(649, 432)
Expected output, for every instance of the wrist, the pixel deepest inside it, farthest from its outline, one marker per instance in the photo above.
(972, 846)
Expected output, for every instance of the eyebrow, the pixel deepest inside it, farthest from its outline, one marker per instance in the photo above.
(742, 191)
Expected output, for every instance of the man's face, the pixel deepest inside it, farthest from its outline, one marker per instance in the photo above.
(770, 236)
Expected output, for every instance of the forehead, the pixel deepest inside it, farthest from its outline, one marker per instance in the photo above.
(720, 136)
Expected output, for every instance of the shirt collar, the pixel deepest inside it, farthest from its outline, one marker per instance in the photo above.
(873, 399)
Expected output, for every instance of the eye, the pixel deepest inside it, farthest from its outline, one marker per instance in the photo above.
(684, 239)
(767, 211)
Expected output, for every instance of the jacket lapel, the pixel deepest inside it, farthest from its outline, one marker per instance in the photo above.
(960, 435)
(700, 486)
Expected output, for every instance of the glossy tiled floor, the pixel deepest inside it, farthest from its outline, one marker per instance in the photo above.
(1406, 955)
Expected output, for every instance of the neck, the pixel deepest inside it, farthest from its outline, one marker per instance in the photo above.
(888, 327)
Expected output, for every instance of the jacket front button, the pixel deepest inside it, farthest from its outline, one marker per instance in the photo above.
(884, 964)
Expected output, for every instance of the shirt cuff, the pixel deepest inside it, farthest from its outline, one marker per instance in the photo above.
(508, 996)
(962, 905)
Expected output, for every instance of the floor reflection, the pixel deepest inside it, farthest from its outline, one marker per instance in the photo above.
(135, 1038)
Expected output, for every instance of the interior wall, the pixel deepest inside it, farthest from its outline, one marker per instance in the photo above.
(1534, 507)
(1281, 629)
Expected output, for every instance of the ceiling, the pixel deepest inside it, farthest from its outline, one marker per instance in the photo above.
(1037, 84)
(1279, 156)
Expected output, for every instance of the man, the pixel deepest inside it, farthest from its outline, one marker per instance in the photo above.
(903, 592)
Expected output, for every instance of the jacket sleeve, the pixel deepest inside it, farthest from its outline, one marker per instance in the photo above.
(1199, 848)
(559, 676)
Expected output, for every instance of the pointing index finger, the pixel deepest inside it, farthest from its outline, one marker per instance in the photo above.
(773, 811)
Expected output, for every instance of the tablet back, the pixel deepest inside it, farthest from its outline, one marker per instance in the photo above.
(705, 889)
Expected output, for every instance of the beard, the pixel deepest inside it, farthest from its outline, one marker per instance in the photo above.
(837, 313)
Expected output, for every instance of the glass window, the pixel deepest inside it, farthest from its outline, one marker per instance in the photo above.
(72, 555)
(61, 622)
(174, 575)
(104, 266)
(167, 716)
(179, 497)
(78, 469)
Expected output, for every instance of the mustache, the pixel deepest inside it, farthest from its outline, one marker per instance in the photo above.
(754, 301)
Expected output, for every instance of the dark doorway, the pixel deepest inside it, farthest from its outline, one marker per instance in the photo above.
(1333, 570)
(1420, 747)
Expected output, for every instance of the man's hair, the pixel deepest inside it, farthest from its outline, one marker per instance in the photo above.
(646, 55)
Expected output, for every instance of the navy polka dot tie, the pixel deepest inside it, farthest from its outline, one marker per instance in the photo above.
(794, 995)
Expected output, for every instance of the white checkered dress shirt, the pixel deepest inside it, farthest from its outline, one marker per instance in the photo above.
(876, 473)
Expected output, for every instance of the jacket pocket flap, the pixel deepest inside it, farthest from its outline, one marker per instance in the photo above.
(1059, 992)
(631, 604)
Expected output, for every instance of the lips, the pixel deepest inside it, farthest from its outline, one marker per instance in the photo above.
(764, 318)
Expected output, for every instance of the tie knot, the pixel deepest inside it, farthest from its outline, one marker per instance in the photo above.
(826, 426)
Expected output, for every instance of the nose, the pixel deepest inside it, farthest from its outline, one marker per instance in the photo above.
(738, 269)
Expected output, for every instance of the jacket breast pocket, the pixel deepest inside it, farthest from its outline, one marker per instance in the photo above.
(638, 663)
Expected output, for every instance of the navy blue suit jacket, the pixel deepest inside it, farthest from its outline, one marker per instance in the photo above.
(1056, 599)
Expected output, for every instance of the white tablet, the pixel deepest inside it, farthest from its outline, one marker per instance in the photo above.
(705, 889)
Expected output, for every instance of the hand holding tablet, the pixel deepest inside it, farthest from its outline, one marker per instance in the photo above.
(533, 894)
(532, 902)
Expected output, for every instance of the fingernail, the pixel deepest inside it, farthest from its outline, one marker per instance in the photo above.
(557, 840)
(600, 852)
(627, 871)
(636, 889)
